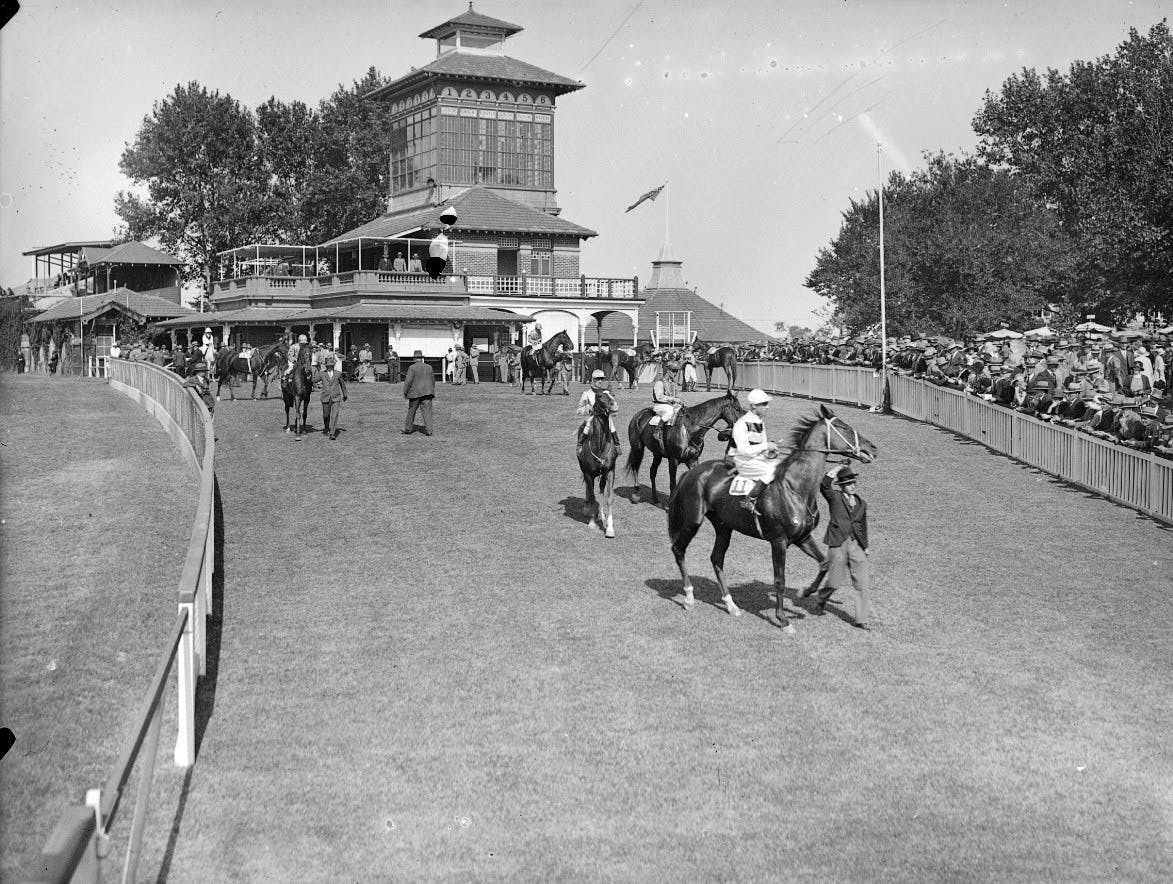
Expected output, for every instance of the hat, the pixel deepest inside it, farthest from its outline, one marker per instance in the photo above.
(302, 339)
(1149, 409)
(1052, 360)
(598, 375)
(207, 331)
(1093, 365)
(330, 359)
(197, 366)
(758, 397)
(418, 354)
(672, 365)
(845, 476)
(930, 351)
(460, 346)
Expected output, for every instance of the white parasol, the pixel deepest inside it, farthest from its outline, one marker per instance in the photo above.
(1092, 327)
(1003, 334)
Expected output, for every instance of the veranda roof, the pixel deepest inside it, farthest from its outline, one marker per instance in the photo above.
(135, 253)
(378, 312)
(122, 300)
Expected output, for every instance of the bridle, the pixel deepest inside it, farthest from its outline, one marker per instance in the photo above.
(855, 451)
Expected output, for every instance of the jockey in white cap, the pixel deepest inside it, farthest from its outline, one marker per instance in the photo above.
(586, 404)
(208, 347)
(754, 455)
(291, 356)
(665, 403)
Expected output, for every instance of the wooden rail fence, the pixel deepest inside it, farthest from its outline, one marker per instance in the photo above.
(1136, 479)
(79, 842)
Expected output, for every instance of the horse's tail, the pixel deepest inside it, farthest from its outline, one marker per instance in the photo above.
(635, 454)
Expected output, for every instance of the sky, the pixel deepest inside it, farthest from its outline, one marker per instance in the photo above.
(765, 118)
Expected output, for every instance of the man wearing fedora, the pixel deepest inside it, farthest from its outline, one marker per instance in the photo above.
(847, 541)
(197, 379)
(333, 394)
(419, 389)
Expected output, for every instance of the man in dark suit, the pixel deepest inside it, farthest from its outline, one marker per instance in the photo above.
(333, 395)
(419, 389)
(847, 541)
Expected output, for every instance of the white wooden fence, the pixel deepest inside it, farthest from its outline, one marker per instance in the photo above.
(1136, 479)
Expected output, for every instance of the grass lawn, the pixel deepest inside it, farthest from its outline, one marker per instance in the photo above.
(96, 515)
(430, 667)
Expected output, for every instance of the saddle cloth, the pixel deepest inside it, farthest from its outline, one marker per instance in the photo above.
(740, 486)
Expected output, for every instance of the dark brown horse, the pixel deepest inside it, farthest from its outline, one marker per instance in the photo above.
(721, 357)
(630, 362)
(296, 390)
(597, 453)
(536, 365)
(263, 363)
(787, 509)
(686, 438)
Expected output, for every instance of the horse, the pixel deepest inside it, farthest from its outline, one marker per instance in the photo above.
(720, 357)
(787, 509)
(538, 365)
(597, 453)
(686, 438)
(296, 390)
(631, 362)
(263, 362)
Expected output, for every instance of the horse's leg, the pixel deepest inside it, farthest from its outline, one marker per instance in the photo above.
(591, 504)
(607, 490)
(653, 469)
(682, 528)
(717, 557)
(708, 378)
(811, 548)
(778, 555)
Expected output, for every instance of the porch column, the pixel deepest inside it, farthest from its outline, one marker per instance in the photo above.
(391, 336)
(337, 334)
(634, 327)
(226, 337)
(399, 338)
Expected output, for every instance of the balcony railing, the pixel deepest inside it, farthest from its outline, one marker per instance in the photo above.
(523, 285)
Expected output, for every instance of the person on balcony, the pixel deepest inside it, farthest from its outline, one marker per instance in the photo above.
(416, 265)
(385, 265)
(400, 265)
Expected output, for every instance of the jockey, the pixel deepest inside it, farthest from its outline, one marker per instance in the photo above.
(291, 355)
(586, 404)
(208, 347)
(689, 369)
(753, 454)
(665, 402)
(535, 336)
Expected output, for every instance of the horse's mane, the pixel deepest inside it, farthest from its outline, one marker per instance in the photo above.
(797, 439)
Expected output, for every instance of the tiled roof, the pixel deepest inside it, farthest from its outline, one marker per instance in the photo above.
(710, 322)
(89, 306)
(471, 18)
(496, 68)
(274, 315)
(136, 253)
(477, 209)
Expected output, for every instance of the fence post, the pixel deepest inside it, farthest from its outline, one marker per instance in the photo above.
(210, 559)
(1153, 491)
(833, 376)
(185, 740)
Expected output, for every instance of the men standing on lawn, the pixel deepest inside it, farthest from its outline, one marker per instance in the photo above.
(474, 362)
(333, 395)
(419, 389)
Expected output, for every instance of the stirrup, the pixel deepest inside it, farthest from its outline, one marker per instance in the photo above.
(751, 504)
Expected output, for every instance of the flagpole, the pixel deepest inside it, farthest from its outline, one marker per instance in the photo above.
(667, 197)
(883, 294)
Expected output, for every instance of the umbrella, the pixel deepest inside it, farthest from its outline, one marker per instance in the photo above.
(1002, 334)
(1041, 332)
(1129, 335)
(1092, 326)
(1167, 330)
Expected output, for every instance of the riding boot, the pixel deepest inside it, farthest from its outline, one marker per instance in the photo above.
(618, 448)
(751, 500)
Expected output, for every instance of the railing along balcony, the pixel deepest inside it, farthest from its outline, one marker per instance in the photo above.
(523, 285)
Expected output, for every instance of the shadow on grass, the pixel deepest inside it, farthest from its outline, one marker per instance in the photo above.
(205, 695)
(578, 509)
(641, 494)
(755, 598)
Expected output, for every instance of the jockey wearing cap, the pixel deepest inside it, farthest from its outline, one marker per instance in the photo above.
(753, 454)
(208, 347)
(291, 356)
(586, 405)
(535, 337)
(665, 403)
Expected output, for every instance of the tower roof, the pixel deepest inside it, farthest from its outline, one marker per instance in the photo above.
(488, 68)
(471, 21)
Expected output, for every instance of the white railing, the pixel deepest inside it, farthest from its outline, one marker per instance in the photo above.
(80, 841)
(1137, 479)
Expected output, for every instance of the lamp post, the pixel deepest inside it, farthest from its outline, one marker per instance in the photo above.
(886, 404)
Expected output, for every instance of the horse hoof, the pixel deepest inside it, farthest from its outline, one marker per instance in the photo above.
(610, 532)
(789, 629)
(732, 608)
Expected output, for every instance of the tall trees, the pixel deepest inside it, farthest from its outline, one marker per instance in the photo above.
(350, 158)
(196, 156)
(1097, 143)
(965, 247)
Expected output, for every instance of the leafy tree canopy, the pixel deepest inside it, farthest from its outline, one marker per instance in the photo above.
(966, 246)
(1097, 144)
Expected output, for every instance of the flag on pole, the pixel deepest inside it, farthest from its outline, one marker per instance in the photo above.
(650, 195)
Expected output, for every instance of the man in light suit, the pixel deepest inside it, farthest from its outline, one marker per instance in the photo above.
(333, 395)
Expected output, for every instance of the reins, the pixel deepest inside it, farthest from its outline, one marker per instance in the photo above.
(856, 451)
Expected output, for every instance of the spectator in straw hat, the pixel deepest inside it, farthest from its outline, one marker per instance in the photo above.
(419, 389)
(333, 384)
